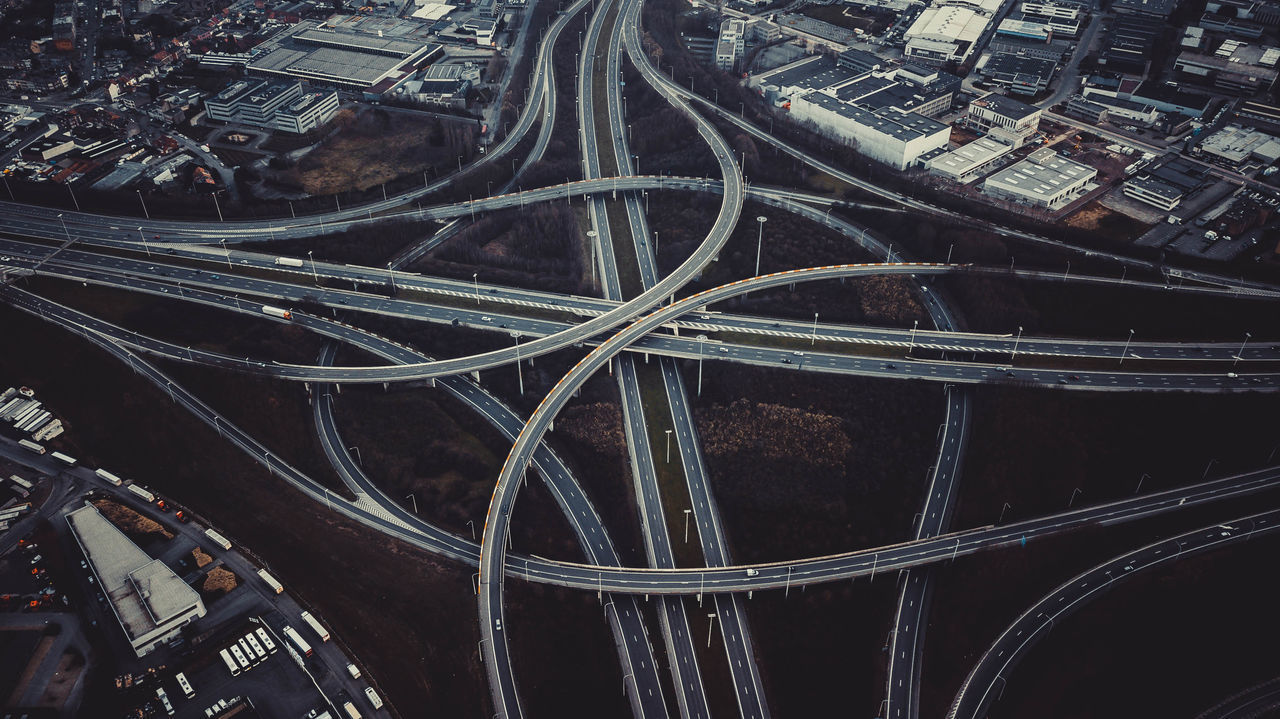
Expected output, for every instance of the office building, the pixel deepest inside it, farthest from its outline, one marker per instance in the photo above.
(1003, 118)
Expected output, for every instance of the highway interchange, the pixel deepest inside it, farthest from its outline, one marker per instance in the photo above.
(619, 328)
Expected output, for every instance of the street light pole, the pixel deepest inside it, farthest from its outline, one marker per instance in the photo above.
(226, 253)
(1002, 510)
(668, 446)
(686, 525)
(1144, 476)
(144, 242)
(392, 273)
(65, 231)
(911, 346)
(519, 372)
(710, 628)
(1240, 354)
(813, 340)
(475, 281)
(1014, 355)
(1074, 492)
(701, 339)
(760, 220)
(415, 502)
(314, 275)
(144, 204)
(1125, 351)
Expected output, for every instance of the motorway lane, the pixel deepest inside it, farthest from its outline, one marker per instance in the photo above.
(673, 616)
(492, 559)
(979, 690)
(630, 633)
(770, 576)
(1248, 349)
(909, 368)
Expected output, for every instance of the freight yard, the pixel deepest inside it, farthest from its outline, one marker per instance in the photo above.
(212, 634)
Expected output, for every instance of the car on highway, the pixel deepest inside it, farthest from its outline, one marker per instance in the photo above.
(497, 625)
(753, 572)
(486, 318)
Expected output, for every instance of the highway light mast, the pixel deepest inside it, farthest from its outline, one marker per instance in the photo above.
(759, 240)
(144, 204)
(144, 242)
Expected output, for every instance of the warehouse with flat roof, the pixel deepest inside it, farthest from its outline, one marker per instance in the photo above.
(340, 54)
(1042, 180)
(151, 603)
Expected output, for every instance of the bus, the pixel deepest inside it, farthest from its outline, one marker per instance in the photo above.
(28, 444)
(231, 664)
(298, 641)
(255, 646)
(185, 686)
(21, 482)
(144, 494)
(218, 539)
(108, 477)
(350, 709)
(247, 650)
(65, 459)
(277, 587)
(266, 640)
(316, 626)
(239, 656)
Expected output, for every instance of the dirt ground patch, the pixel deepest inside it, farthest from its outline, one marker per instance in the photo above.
(202, 557)
(134, 525)
(377, 146)
(218, 581)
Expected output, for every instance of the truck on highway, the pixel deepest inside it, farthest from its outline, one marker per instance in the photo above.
(21, 482)
(108, 477)
(270, 581)
(316, 626)
(144, 494)
(218, 539)
(277, 312)
(28, 444)
(374, 699)
(350, 709)
(288, 261)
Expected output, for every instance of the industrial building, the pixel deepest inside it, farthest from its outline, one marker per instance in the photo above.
(1003, 118)
(890, 136)
(949, 30)
(968, 162)
(1234, 145)
(1044, 180)
(344, 53)
(1235, 67)
(1164, 185)
(1021, 75)
(1151, 9)
(151, 603)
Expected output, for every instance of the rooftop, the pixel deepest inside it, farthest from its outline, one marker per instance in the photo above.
(1006, 106)
(1043, 173)
(143, 591)
(898, 125)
